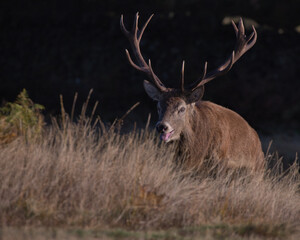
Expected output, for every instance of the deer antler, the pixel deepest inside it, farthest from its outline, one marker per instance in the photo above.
(134, 38)
(243, 44)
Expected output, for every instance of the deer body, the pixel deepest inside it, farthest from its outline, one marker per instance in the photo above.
(219, 133)
(204, 129)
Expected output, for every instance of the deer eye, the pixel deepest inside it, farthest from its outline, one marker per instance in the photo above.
(181, 110)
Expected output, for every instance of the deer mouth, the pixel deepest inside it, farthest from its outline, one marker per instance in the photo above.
(166, 137)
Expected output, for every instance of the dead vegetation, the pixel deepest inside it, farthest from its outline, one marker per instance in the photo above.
(91, 176)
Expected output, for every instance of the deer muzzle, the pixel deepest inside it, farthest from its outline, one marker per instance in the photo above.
(165, 130)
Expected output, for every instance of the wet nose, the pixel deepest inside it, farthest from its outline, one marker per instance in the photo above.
(161, 127)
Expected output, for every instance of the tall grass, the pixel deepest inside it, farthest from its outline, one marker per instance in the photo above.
(81, 175)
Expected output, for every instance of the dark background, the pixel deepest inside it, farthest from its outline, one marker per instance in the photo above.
(55, 47)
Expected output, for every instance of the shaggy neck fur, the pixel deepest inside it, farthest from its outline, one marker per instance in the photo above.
(217, 134)
(198, 137)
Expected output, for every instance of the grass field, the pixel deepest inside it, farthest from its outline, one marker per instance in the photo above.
(86, 181)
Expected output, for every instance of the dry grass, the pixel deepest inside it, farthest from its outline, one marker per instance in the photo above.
(81, 176)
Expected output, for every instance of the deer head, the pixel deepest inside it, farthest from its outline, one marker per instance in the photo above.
(176, 106)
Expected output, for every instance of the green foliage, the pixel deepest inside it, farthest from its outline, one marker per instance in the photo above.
(22, 117)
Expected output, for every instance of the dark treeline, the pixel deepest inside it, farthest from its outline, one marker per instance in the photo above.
(55, 47)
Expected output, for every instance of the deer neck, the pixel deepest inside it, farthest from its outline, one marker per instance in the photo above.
(198, 133)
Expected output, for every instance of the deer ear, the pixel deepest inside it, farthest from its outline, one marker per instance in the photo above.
(152, 91)
(196, 94)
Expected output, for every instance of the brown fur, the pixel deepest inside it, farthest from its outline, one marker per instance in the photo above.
(220, 134)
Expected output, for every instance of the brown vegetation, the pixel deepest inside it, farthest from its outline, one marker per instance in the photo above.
(78, 175)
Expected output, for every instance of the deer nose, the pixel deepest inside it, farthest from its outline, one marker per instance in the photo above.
(162, 127)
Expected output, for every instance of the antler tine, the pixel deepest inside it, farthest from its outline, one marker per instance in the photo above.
(182, 76)
(123, 28)
(251, 40)
(134, 38)
(243, 44)
(217, 72)
(131, 62)
(204, 70)
(156, 80)
(144, 27)
(204, 79)
(135, 24)
(236, 30)
(240, 32)
(241, 28)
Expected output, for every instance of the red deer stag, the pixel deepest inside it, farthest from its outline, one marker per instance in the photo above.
(207, 130)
